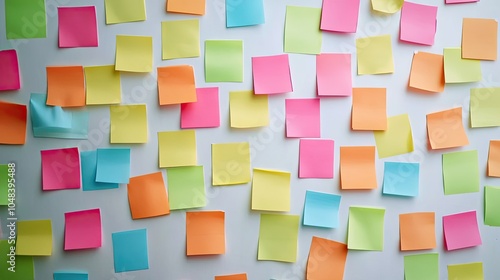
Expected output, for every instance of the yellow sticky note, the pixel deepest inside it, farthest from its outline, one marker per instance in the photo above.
(180, 38)
(387, 6)
(134, 53)
(177, 148)
(230, 163)
(248, 110)
(118, 11)
(270, 190)
(34, 238)
(458, 69)
(103, 85)
(129, 123)
(397, 139)
(466, 271)
(375, 55)
(278, 236)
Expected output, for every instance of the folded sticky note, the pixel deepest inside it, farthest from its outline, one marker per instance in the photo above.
(65, 86)
(205, 233)
(445, 129)
(303, 117)
(461, 231)
(134, 53)
(247, 109)
(326, 259)
(369, 109)
(270, 190)
(223, 61)
(61, 169)
(427, 72)
(302, 33)
(461, 172)
(34, 238)
(147, 196)
(130, 250)
(186, 187)
(103, 85)
(128, 123)
(492, 206)
(397, 139)
(176, 85)
(177, 148)
(484, 107)
(118, 12)
(278, 236)
(357, 160)
(180, 38)
(418, 23)
(340, 15)
(77, 27)
(321, 209)
(387, 6)
(479, 38)
(401, 178)
(205, 112)
(83, 229)
(417, 231)
(466, 271)
(458, 69)
(113, 165)
(494, 159)
(9, 70)
(365, 228)
(195, 7)
(244, 13)
(17, 19)
(316, 158)
(240, 276)
(230, 163)
(13, 118)
(88, 162)
(24, 268)
(271, 74)
(422, 266)
(375, 55)
(333, 74)
(70, 275)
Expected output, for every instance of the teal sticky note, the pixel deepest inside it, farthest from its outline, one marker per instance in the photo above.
(401, 178)
(244, 12)
(70, 275)
(88, 163)
(113, 166)
(4, 184)
(321, 209)
(422, 267)
(25, 19)
(130, 250)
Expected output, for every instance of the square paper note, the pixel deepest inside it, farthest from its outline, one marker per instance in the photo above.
(316, 158)
(34, 238)
(340, 15)
(278, 236)
(77, 27)
(445, 129)
(176, 85)
(333, 74)
(244, 13)
(9, 70)
(270, 190)
(374, 55)
(458, 69)
(247, 109)
(205, 233)
(113, 165)
(186, 187)
(134, 53)
(417, 231)
(494, 159)
(303, 118)
(401, 178)
(177, 148)
(461, 172)
(466, 271)
(147, 196)
(119, 12)
(492, 206)
(321, 209)
(484, 104)
(180, 38)
(130, 250)
(422, 266)
(271, 74)
(205, 112)
(427, 72)
(418, 23)
(461, 231)
(129, 124)
(365, 229)
(326, 259)
(230, 163)
(82, 229)
(13, 118)
(103, 85)
(223, 61)
(17, 19)
(194, 7)
(302, 33)
(65, 86)
(397, 139)
(369, 109)
(88, 161)
(479, 38)
(357, 160)
(61, 169)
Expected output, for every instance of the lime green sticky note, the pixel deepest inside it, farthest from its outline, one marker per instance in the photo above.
(186, 187)
(4, 184)
(302, 33)
(25, 19)
(484, 104)
(230, 163)
(224, 61)
(103, 85)
(466, 271)
(134, 53)
(374, 55)
(14, 267)
(117, 11)
(248, 110)
(177, 148)
(278, 236)
(129, 123)
(459, 70)
(492, 206)
(34, 238)
(460, 172)
(397, 139)
(365, 228)
(422, 267)
(180, 38)
(270, 190)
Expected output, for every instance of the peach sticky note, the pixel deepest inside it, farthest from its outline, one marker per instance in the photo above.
(461, 231)
(194, 7)
(369, 109)
(61, 169)
(479, 38)
(128, 123)
(147, 196)
(446, 130)
(340, 15)
(134, 53)
(65, 86)
(418, 23)
(247, 109)
(427, 72)
(240, 276)
(205, 233)
(77, 27)
(83, 229)
(176, 84)
(417, 231)
(357, 160)
(316, 158)
(494, 159)
(205, 112)
(326, 259)
(13, 119)
(9, 70)
(271, 74)
(375, 55)
(333, 74)
(177, 148)
(303, 117)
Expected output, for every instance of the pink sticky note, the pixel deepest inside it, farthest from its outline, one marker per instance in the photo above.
(9, 70)
(61, 169)
(82, 229)
(340, 15)
(333, 74)
(418, 23)
(460, 1)
(271, 74)
(77, 27)
(303, 118)
(461, 230)
(204, 112)
(316, 158)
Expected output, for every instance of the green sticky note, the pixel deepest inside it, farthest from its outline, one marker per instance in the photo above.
(25, 19)
(466, 271)
(4, 184)
(186, 187)
(180, 38)
(422, 267)
(397, 139)
(461, 172)
(23, 265)
(278, 237)
(366, 229)
(492, 206)
(302, 33)
(459, 70)
(224, 61)
(484, 107)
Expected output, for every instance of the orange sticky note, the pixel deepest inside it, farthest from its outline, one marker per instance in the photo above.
(65, 86)
(494, 159)
(357, 168)
(479, 38)
(446, 130)
(13, 123)
(427, 72)
(147, 196)
(369, 110)
(205, 233)
(176, 85)
(241, 276)
(194, 7)
(326, 259)
(417, 231)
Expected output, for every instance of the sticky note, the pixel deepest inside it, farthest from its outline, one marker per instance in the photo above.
(10, 78)
(387, 6)
(316, 158)
(397, 139)
(4, 186)
(278, 237)
(77, 27)
(16, 14)
(147, 196)
(461, 172)
(369, 109)
(83, 229)
(326, 259)
(271, 74)
(479, 38)
(355, 160)
(177, 148)
(13, 118)
(333, 74)
(321, 209)
(375, 55)
(459, 1)
(88, 162)
(302, 33)
(494, 159)
(128, 123)
(340, 15)
(60, 169)
(70, 275)
(205, 233)
(461, 231)
(230, 163)
(244, 13)
(119, 12)
(223, 61)
(195, 7)
(65, 86)
(205, 112)
(458, 69)
(247, 109)
(24, 264)
(492, 206)
(417, 231)
(418, 23)
(240, 276)
(113, 165)
(484, 104)
(401, 178)
(103, 85)
(34, 238)
(130, 250)
(365, 228)
(422, 266)
(270, 190)
(186, 187)
(427, 72)
(303, 118)
(134, 53)
(445, 129)
(180, 38)
(176, 85)
(466, 271)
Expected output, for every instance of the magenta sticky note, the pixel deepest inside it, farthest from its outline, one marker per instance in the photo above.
(271, 74)
(333, 74)
(302, 117)
(61, 169)
(460, 1)
(77, 27)
(205, 112)
(83, 229)
(418, 23)
(316, 158)
(9, 70)
(461, 230)
(340, 15)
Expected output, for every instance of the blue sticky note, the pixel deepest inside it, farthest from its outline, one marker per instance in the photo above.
(88, 162)
(113, 166)
(73, 275)
(244, 13)
(401, 178)
(130, 250)
(321, 209)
